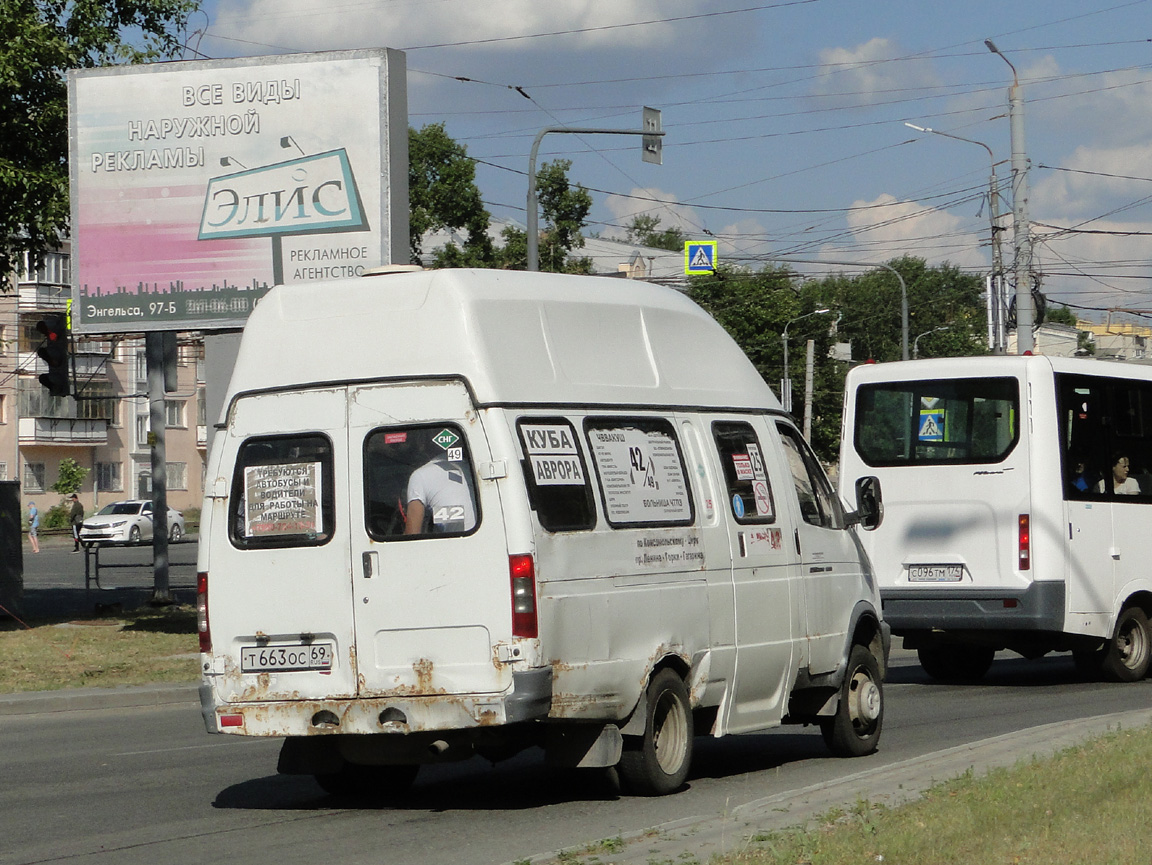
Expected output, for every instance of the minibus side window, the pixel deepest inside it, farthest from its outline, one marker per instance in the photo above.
(641, 472)
(1106, 437)
(283, 493)
(418, 483)
(818, 503)
(749, 493)
(559, 489)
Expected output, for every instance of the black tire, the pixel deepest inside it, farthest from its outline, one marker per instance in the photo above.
(956, 663)
(174, 533)
(1128, 653)
(134, 535)
(657, 763)
(369, 783)
(855, 728)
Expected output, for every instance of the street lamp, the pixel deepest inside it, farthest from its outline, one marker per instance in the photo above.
(1021, 238)
(916, 342)
(786, 382)
(994, 213)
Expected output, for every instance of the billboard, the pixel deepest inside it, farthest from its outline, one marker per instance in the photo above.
(197, 186)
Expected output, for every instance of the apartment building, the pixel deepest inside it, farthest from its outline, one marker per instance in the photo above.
(106, 429)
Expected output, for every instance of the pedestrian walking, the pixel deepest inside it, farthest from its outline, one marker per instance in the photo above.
(76, 518)
(33, 526)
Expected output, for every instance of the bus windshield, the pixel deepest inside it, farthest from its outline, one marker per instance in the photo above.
(937, 421)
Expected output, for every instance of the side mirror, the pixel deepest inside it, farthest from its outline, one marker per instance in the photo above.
(869, 511)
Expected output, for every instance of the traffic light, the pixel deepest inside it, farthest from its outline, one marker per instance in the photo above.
(54, 351)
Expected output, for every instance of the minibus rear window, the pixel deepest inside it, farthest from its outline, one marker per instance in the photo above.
(964, 421)
(419, 483)
(282, 492)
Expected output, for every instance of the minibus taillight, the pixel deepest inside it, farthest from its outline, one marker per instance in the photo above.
(523, 574)
(202, 611)
(1025, 536)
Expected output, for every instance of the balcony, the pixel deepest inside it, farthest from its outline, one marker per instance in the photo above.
(43, 297)
(62, 431)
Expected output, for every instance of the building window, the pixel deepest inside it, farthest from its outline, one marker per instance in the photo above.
(56, 269)
(174, 413)
(141, 371)
(201, 407)
(35, 401)
(3, 339)
(33, 477)
(3, 408)
(142, 430)
(96, 400)
(109, 478)
(3, 471)
(177, 476)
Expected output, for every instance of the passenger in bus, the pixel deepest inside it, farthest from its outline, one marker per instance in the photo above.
(1121, 485)
(1081, 477)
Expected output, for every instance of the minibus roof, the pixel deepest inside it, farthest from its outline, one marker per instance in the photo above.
(515, 336)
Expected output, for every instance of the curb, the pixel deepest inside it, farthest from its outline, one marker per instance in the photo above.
(699, 838)
(85, 699)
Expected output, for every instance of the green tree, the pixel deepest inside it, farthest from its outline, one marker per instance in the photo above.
(39, 41)
(944, 304)
(643, 230)
(1060, 315)
(442, 194)
(565, 209)
(71, 477)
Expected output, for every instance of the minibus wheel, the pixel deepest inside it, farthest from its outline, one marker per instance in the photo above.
(1127, 654)
(657, 763)
(379, 783)
(855, 728)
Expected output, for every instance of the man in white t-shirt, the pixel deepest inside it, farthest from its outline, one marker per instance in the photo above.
(439, 488)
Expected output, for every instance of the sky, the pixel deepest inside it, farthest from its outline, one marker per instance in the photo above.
(785, 121)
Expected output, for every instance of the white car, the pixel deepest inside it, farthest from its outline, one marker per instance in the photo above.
(128, 522)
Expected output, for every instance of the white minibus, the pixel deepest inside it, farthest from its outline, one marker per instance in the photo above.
(1018, 507)
(454, 513)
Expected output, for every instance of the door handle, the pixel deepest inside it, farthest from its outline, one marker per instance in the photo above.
(371, 563)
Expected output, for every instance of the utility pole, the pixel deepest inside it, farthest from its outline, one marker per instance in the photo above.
(1021, 226)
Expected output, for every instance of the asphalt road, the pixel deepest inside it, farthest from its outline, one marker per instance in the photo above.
(147, 784)
(55, 585)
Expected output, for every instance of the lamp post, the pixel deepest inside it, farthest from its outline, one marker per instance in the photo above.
(916, 341)
(997, 303)
(786, 382)
(1021, 237)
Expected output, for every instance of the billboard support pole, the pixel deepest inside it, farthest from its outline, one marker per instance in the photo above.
(154, 357)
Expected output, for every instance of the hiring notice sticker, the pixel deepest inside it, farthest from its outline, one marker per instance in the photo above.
(282, 499)
(552, 452)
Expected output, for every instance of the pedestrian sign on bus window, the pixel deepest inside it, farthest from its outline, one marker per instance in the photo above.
(931, 425)
(699, 256)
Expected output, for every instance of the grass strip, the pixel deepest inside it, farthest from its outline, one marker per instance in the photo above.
(139, 647)
(1089, 803)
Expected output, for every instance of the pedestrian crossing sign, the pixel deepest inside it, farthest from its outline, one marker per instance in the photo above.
(931, 425)
(699, 256)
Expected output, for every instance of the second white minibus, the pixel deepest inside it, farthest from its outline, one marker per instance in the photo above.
(1018, 507)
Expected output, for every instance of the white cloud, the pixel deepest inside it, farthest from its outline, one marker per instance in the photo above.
(330, 24)
(864, 74)
(887, 228)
